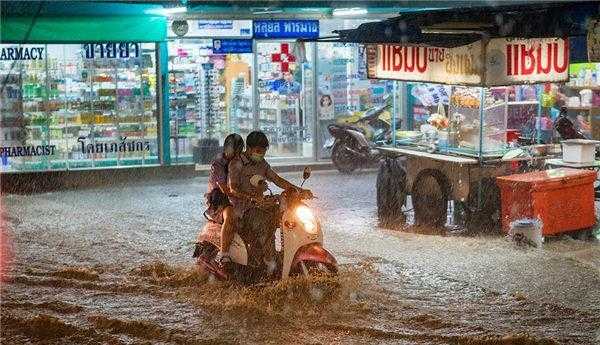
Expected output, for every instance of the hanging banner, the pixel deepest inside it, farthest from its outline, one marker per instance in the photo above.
(508, 61)
(213, 28)
(286, 29)
(460, 65)
(232, 46)
(521, 61)
(593, 40)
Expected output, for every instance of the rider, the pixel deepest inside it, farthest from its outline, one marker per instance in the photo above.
(245, 197)
(220, 209)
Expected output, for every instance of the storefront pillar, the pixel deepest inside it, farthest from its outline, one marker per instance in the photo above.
(401, 104)
(255, 93)
(315, 98)
(164, 124)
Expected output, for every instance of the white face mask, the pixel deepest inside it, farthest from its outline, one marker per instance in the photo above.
(257, 157)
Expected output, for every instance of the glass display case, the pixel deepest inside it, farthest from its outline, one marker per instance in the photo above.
(473, 121)
(80, 106)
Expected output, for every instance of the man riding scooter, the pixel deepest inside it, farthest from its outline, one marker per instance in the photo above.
(245, 197)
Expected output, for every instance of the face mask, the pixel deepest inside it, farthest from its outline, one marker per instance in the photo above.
(257, 157)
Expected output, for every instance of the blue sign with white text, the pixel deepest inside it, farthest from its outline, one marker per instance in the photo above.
(286, 28)
(232, 46)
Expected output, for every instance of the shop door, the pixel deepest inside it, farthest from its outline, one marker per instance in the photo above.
(345, 94)
(210, 97)
(285, 79)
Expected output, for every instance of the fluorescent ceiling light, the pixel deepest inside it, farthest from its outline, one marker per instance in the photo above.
(167, 11)
(341, 12)
(266, 11)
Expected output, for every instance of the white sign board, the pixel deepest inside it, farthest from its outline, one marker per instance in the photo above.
(461, 65)
(216, 28)
(508, 61)
(520, 61)
(593, 40)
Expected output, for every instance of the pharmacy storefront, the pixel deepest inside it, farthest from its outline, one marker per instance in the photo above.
(79, 93)
(134, 90)
(69, 106)
(237, 76)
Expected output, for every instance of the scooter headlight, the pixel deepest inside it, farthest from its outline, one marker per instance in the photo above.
(306, 216)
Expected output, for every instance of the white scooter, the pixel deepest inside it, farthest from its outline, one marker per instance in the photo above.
(254, 255)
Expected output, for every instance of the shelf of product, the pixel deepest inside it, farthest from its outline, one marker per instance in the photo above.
(212, 104)
(210, 96)
(240, 111)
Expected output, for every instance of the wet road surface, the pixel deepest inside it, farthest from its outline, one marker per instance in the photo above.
(113, 265)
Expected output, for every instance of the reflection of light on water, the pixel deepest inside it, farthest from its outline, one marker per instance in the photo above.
(6, 247)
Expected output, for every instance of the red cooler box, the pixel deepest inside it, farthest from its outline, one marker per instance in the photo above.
(563, 199)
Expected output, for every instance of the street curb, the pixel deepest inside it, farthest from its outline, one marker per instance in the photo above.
(39, 182)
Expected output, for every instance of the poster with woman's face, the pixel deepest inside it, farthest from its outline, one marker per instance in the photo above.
(326, 107)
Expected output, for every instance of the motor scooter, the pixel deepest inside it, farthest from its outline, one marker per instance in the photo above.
(255, 257)
(350, 148)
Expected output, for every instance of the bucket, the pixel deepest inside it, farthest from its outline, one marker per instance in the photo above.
(527, 232)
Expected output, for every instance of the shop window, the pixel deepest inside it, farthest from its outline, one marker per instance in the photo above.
(86, 106)
(346, 95)
(285, 78)
(210, 97)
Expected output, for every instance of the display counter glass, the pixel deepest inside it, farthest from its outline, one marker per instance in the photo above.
(78, 106)
(473, 121)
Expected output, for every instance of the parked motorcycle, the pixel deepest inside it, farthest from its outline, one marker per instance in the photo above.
(349, 144)
(255, 256)
(565, 127)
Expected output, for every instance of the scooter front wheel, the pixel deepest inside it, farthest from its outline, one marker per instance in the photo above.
(313, 268)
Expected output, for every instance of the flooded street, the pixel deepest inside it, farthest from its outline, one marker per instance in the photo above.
(113, 265)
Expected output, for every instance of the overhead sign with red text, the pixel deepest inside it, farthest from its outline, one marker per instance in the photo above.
(520, 61)
(507, 61)
(461, 65)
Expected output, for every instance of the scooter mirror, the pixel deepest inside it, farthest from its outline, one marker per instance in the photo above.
(306, 173)
(257, 180)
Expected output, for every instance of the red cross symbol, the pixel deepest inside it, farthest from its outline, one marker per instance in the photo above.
(284, 57)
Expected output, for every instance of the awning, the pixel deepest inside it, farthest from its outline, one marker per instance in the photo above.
(60, 22)
(460, 26)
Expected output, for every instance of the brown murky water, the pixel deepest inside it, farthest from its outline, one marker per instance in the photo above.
(121, 274)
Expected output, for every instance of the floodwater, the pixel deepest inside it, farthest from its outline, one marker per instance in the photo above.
(113, 266)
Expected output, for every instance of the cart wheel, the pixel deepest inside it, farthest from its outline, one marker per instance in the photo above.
(342, 159)
(430, 198)
(391, 192)
(484, 217)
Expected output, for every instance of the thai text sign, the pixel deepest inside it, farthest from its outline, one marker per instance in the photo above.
(461, 65)
(216, 28)
(122, 50)
(508, 61)
(286, 28)
(518, 61)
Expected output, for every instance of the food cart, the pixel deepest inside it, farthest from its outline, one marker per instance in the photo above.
(460, 152)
